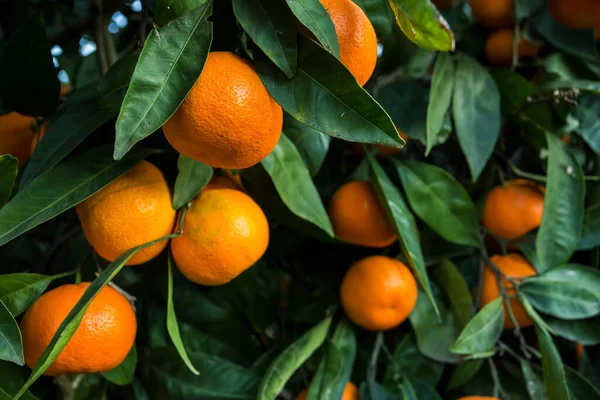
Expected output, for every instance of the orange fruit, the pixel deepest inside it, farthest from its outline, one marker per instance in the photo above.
(512, 210)
(579, 351)
(17, 135)
(516, 267)
(356, 36)
(133, 210)
(350, 393)
(358, 218)
(100, 343)
(228, 119)
(499, 47)
(378, 293)
(493, 13)
(224, 233)
(478, 398)
(576, 14)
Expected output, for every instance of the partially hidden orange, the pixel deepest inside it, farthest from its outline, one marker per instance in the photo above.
(576, 14)
(100, 343)
(478, 398)
(133, 210)
(350, 393)
(228, 119)
(499, 48)
(18, 135)
(378, 293)
(493, 13)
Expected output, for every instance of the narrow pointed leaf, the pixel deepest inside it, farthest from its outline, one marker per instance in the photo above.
(8, 174)
(554, 372)
(11, 345)
(168, 10)
(483, 331)
(192, 177)
(314, 16)
(312, 144)
(440, 96)
(457, 291)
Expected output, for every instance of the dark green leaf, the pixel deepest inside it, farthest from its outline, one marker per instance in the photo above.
(294, 184)
(422, 23)
(403, 222)
(270, 24)
(579, 387)
(335, 369)
(19, 291)
(514, 90)
(380, 15)
(440, 96)
(192, 177)
(325, 96)
(8, 174)
(562, 220)
(371, 390)
(172, 326)
(590, 236)
(312, 144)
(424, 391)
(114, 84)
(535, 316)
(554, 373)
(567, 292)
(483, 331)
(291, 359)
(525, 8)
(123, 373)
(533, 382)
(584, 331)
(60, 188)
(441, 201)
(170, 63)
(12, 379)
(581, 84)
(65, 133)
(30, 83)
(168, 10)
(587, 110)
(11, 346)
(476, 111)
(314, 16)
(457, 291)
(464, 372)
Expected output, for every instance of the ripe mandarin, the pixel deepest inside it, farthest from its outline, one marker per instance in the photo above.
(18, 135)
(350, 393)
(228, 119)
(378, 293)
(133, 210)
(516, 267)
(100, 343)
(493, 13)
(499, 47)
(576, 14)
(478, 398)
(358, 218)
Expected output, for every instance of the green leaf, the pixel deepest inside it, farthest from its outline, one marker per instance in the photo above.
(11, 345)
(66, 132)
(441, 201)
(440, 96)
(114, 84)
(63, 186)
(8, 174)
(533, 382)
(423, 24)
(562, 220)
(325, 96)
(170, 63)
(483, 331)
(12, 379)
(434, 334)
(476, 112)
(311, 144)
(586, 112)
(579, 387)
(270, 24)
(291, 359)
(403, 222)
(168, 10)
(123, 373)
(584, 331)
(408, 363)
(380, 15)
(535, 316)
(314, 16)
(294, 184)
(30, 83)
(219, 378)
(457, 291)
(514, 90)
(590, 236)
(335, 369)
(69, 325)
(172, 326)
(581, 84)
(464, 372)
(192, 178)
(567, 292)
(19, 291)
(554, 373)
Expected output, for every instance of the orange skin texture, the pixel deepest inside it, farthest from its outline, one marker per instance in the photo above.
(514, 266)
(575, 14)
(513, 210)
(478, 398)
(100, 343)
(499, 45)
(358, 218)
(493, 13)
(356, 36)
(378, 293)
(351, 392)
(228, 119)
(224, 233)
(133, 210)
(18, 136)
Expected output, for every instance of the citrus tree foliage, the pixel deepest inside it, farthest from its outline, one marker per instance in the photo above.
(104, 76)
